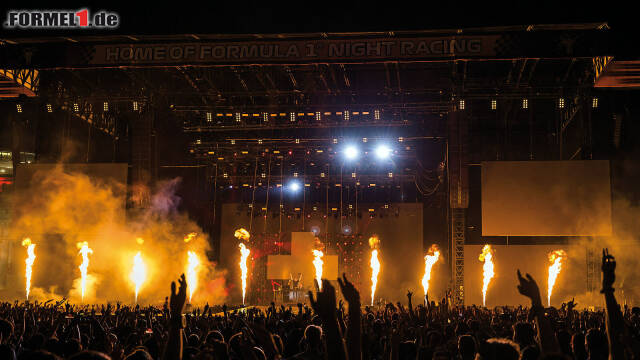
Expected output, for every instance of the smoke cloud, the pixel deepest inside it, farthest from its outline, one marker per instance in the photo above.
(60, 209)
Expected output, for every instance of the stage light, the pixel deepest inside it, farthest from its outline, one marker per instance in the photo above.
(292, 116)
(364, 140)
(19, 108)
(136, 107)
(346, 115)
(76, 107)
(494, 104)
(238, 117)
(351, 152)
(376, 114)
(346, 230)
(233, 142)
(390, 174)
(49, 108)
(383, 152)
(594, 102)
(315, 229)
(335, 141)
(525, 103)
(209, 115)
(561, 103)
(318, 116)
(294, 186)
(461, 105)
(265, 117)
(105, 106)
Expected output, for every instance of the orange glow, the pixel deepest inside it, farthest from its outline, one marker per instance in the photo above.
(429, 260)
(487, 270)
(555, 257)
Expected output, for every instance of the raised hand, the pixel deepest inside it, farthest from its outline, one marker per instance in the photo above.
(529, 288)
(608, 270)
(325, 302)
(178, 299)
(349, 291)
(409, 295)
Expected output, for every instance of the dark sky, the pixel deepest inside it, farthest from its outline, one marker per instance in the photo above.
(273, 16)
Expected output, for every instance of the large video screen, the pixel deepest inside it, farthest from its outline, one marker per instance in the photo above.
(546, 198)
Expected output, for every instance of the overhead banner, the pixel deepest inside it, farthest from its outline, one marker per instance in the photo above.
(294, 51)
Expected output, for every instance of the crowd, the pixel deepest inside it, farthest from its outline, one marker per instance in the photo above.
(326, 329)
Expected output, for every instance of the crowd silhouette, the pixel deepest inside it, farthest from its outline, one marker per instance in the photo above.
(326, 328)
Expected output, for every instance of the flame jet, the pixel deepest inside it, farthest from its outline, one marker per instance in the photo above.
(317, 263)
(374, 243)
(31, 258)
(138, 273)
(193, 264)
(556, 258)
(244, 254)
(429, 260)
(487, 270)
(85, 251)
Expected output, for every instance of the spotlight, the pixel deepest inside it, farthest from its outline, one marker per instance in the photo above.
(105, 106)
(136, 107)
(351, 152)
(346, 230)
(383, 152)
(315, 229)
(49, 108)
(19, 108)
(76, 107)
(294, 186)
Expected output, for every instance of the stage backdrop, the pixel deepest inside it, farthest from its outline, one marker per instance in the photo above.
(532, 259)
(401, 249)
(546, 198)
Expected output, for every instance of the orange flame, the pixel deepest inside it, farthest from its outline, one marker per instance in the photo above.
(242, 234)
(85, 251)
(555, 257)
(138, 273)
(31, 257)
(375, 270)
(429, 260)
(487, 270)
(374, 241)
(192, 272)
(140, 241)
(317, 263)
(244, 254)
(190, 237)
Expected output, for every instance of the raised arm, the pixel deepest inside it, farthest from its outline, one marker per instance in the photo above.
(354, 333)
(548, 341)
(615, 322)
(173, 351)
(325, 306)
